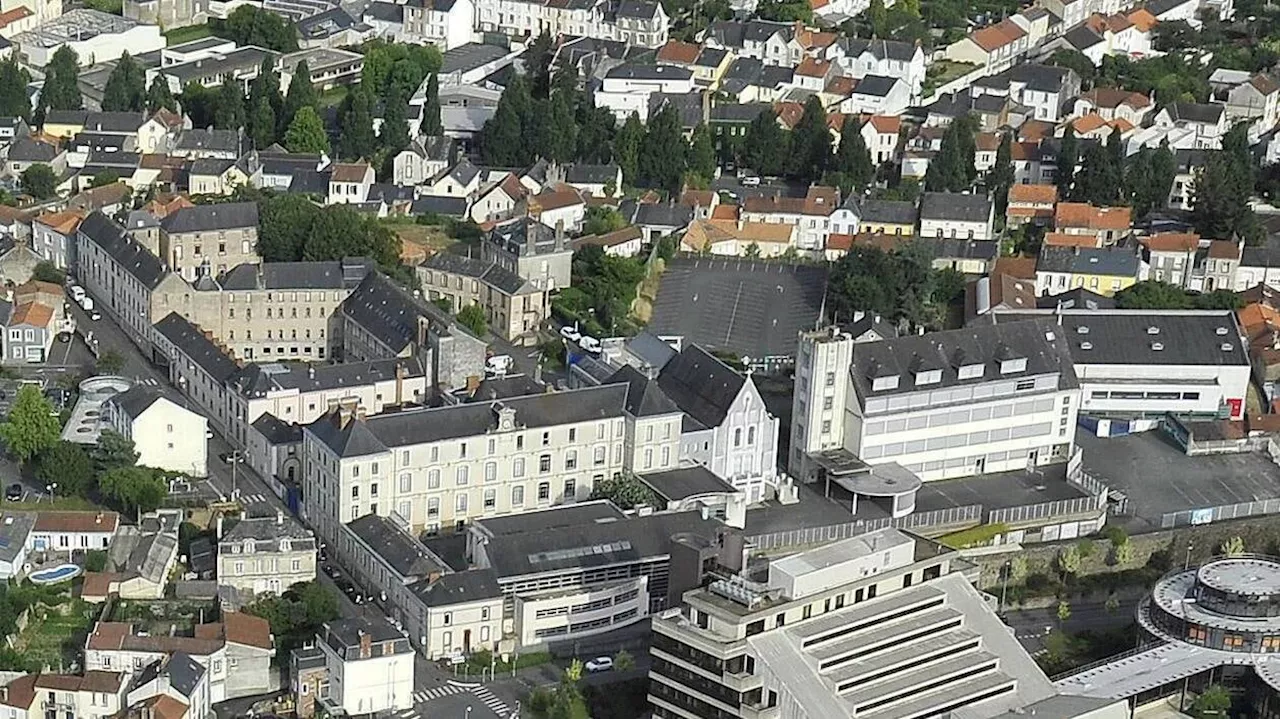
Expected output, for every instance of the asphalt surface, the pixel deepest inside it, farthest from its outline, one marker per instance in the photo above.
(1031, 626)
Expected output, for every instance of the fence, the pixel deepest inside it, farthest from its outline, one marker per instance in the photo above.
(1043, 510)
(1221, 513)
(806, 536)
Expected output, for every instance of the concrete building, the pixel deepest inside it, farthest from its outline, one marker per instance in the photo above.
(208, 240)
(441, 468)
(946, 215)
(1010, 391)
(95, 37)
(167, 435)
(444, 23)
(880, 625)
(514, 307)
(532, 251)
(370, 666)
(266, 555)
(53, 237)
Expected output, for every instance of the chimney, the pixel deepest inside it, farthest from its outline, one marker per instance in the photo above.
(98, 519)
(366, 645)
(530, 246)
(401, 373)
(219, 528)
(344, 416)
(279, 517)
(559, 235)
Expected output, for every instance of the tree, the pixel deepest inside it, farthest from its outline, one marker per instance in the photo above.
(752, 251)
(600, 220)
(1098, 181)
(1221, 191)
(1064, 611)
(126, 89)
(1214, 701)
(67, 465)
(295, 615)
(31, 427)
(702, 153)
(811, 142)
(626, 148)
(1068, 158)
(766, 145)
(198, 103)
(138, 489)
(159, 95)
(1232, 547)
(623, 661)
(953, 170)
(113, 451)
(897, 285)
(431, 125)
(394, 134)
(306, 133)
(356, 121)
(14, 100)
(561, 142)
(46, 271)
(1153, 295)
(301, 94)
(853, 160)
(472, 317)
(104, 178)
(1069, 560)
(228, 111)
(284, 222)
(596, 130)
(61, 89)
(662, 157)
(265, 103)
(878, 18)
(39, 181)
(249, 25)
(110, 362)
(1001, 176)
(626, 491)
(1075, 60)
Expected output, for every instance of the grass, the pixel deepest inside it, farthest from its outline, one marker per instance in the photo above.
(333, 97)
(179, 35)
(62, 503)
(943, 72)
(114, 7)
(481, 661)
(974, 536)
(55, 640)
(432, 237)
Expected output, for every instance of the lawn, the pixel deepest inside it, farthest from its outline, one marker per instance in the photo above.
(430, 237)
(56, 639)
(333, 97)
(179, 35)
(943, 72)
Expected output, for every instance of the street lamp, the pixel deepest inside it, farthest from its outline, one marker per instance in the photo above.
(467, 714)
(50, 489)
(1186, 564)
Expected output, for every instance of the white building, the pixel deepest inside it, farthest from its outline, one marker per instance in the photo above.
(949, 215)
(888, 58)
(95, 36)
(444, 23)
(626, 88)
(72, 531)
(1147, 363)
(370, 665)
(165, 434)
(1010, 392)
(258, 555)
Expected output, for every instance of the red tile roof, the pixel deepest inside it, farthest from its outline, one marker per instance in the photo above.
(76, 522)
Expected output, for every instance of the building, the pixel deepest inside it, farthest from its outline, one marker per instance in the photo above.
(1012, 396)
(208, 240)
(95, 37)
(72, 531)
(53, 237)
(166, 434)
(1171, 256)
(947, 215)
(879, 625)
(859, 58)
(266, 555)
(1148, 363)
(1103, 270)
(444, 23)
(370, 665)
(811, 215)
(889, 217)
(29, 328)
(93, 695)
(532, 251)
(441, 468)
(514, 307)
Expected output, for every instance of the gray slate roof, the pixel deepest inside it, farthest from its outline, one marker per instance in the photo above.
(396, 547)
(335, 275)
(131, 256)
(193, 342)
(880, 49)
(701, 385)
(644, 397)
(894, 212)
(955, 207)
(1125, 337)
(458, 588)
(136, 400)
(389, 313)
(277, 431)
(490, 273)
(260, 378)
(212, 218)
(1114, 262)
(677, 484)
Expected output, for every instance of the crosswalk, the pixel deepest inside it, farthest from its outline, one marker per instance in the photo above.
(427, 695)
(496, 705)
(253, 498)
(486, 697)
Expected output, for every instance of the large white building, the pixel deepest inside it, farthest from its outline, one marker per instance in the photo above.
(942, 405)
(1146, 363)
(879, 626)
(95, 36)
(370, 666)
(166, 435)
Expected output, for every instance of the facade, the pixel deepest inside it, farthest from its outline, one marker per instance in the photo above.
(53, 237)
(446, 24)
(1012, 397)
(165, 434)
(532, 251)
(72, 531)
(370, 666)
(266, 555)
(514, 308)
(93, 695)
(804, 642)
(208, 240)
(955, 216)
(1104, 271)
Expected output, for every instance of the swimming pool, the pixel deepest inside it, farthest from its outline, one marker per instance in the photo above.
(53, 575)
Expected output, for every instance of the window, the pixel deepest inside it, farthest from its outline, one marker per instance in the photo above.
(598, 456)
(433, 479)
(355, 492)
(570, 488)
(544, 491)
(433, 507)
(490, 471)
(571, 459)
(648, 459)
(544, 463)
(573, 434)
(517, 467)
(490, 498)
(406, 482)
(484, 613)
(460, 503)
(461, 478)
(517, 496)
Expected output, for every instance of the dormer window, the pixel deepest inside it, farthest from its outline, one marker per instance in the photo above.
(881, 384)
(248, 546)
(1157, 346)
(284, 545)
(971, 371)
(1013, 364)
(929, 376)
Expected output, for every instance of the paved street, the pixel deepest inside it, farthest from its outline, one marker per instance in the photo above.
(1031, 626)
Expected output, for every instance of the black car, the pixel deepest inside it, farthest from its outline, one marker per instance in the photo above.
(13, 492)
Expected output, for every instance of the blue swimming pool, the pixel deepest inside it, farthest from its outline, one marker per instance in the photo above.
(53, 575)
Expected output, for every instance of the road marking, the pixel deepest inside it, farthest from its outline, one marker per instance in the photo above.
(253, 498)
(423, 697)
(496, 705)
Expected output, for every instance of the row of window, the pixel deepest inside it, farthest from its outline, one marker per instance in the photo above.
(957, 441)
(1123, 394)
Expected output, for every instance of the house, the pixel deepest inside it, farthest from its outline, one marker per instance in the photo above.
(810, 215)
(1044, 89)
(1257, 101)
(657, 219)
(447, 24)
(889, 217)
(1208, 121)
(626, 88)
(1171, 256)
(30, 329)
(970, 257)
(425, 158)
(772, 43)
(877, 95)
(260, 555)
(595, 180)
(72, 531)
(350, 182)
(370, 665)
(208, 240)
(1105, 271)
(53, 237)
(880, 133)
(626, 242)
(905, 61)
(1106, 225)
(532, 251)
(956, 216)
(562, 208)
(1032, 204)
(27, 151)
(501, 200)
(1114, 104)
(165, 434)
(737, 238)
(845, 219)
(994, 47)
(214, 176)
(513, 307)
(93, 695)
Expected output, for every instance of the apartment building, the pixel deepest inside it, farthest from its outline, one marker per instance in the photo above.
(810, 215)
(635, 22)
(165, 434)
(53, 237)
(260, 555)
(1010, 398)
(880, 626)
(441, 468)
(93, 695)
(208, 240)
(947, 215)
(514, 307)
(197, 365)
(370, 666)
(532, 251)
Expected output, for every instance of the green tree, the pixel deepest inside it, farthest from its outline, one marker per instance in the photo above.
(95, 560)
(126, 89)
(1001, 176)
(61, 89)
(878, 18)
(39, 181)
(1213, 702)
(393, 136)
(811, 142)
(626, 148)
(472, 317)
(14, 101)
(137, 489)
(31, 427)
(228, 111)
(265, 103)
(853, 160)
(249, 25)
(1068, 158)
(159, 95)
(1069, 560)
(1075, 60)
(46, 271)
(662, 156)
(113, 451)
(596, 130)
(356, 121)
(104, 178)
(1153, 295)
(301, 94)
(67, 465)
(752, 251)
(953, 170)
(306, 133)
(1232, 547)
(1098, 181)
(1064, 612)
(767, 146)
(284, 221)
(561, 144)
(702, 153)
(198, 103)
(626, 491)
(339, 231)
(431, 125)
(623, 661)
(601, 220)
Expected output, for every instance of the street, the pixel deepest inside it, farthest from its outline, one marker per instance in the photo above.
(1031, 626)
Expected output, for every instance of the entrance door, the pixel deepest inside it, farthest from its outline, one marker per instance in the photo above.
(466, 642)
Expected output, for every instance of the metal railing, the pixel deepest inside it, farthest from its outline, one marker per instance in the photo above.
(806, 536)
(1220, 513)
(1057, 508)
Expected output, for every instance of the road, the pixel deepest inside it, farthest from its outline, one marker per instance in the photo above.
(1031, 626)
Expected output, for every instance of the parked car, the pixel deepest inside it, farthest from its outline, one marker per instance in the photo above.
(13, 492)
(77, 293)
(498, 365)
(589, 344)
(750, 181)
(231, 457)
(599, 664)
(571, 333)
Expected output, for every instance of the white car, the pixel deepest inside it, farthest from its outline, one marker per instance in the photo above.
(599, 664)
(498, 364)
(751, 181)
(571, 333)
(77, 293)
(589, 344)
